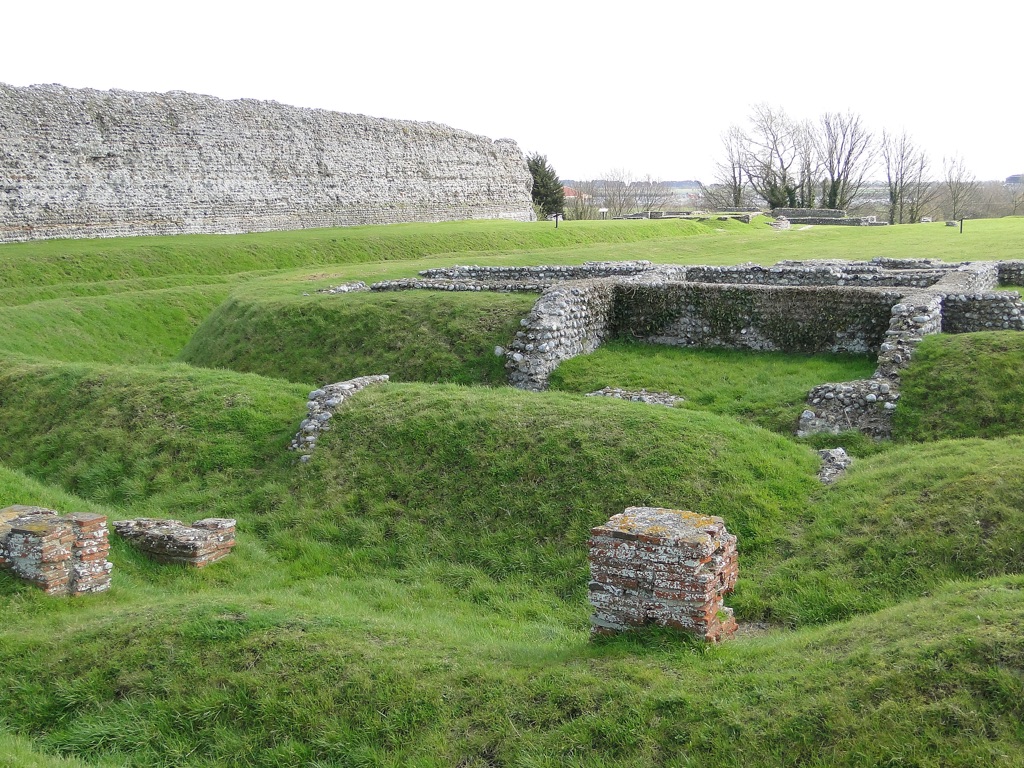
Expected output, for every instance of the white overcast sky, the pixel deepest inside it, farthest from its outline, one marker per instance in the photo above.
(647, 87)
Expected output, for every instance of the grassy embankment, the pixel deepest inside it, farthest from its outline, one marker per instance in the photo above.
(416, 593)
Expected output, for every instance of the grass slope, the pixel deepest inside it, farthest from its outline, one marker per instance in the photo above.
(964, 385)
(413, 336)
(333, 679)
(56, 262)
(132, 327)
(415, 595)
(768, 389)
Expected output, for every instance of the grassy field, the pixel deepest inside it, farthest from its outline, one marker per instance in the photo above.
(416, 593)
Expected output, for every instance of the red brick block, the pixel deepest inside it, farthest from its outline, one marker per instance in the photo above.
(663, 566)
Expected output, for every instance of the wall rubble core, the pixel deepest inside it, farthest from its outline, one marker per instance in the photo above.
(60, 554)
(87, 163)
(650, 565)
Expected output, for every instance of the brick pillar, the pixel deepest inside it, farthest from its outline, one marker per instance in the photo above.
(663, 566)
(90, 571)
(38, 550)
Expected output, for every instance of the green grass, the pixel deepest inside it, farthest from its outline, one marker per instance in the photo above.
(412, 336)
(56, 262)
(131, 327)
(963, 385)
(767, 389)
(416, 593)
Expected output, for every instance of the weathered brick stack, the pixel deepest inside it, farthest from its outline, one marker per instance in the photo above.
(60, 554)
(662, 566)
(171, 541)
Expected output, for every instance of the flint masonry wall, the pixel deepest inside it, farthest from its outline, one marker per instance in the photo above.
(87, 163)
(567, 320)
(791, 319)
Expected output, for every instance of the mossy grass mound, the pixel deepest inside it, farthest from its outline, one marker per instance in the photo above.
(132, 327)
(410, 335)
(504, 485)
(55, 262)
(416, 593)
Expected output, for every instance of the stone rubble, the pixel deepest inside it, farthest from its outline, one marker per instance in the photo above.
(639, 396)
(171, 541)
(320, 408)
(60, 554)
(663, 566)
(355, 287)
(834, 463)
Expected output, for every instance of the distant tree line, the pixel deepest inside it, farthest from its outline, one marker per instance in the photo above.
(836, 161)
(618, 193)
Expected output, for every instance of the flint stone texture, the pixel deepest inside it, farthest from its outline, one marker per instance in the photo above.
(60, 554)
(355, 287)
(883, 307)
(639, 396)
(87, 163)
(320, 409)
(834, 463)
(171, 541)
(669, 567)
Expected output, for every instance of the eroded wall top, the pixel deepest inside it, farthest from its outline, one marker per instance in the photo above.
(87, 163)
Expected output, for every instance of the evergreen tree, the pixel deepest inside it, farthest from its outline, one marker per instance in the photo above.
(548, 194)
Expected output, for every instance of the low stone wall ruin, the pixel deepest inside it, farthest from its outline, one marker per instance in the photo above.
(320, 409)
(802, 213)
(754, 317)
(883, 307)
(60, 554)
(567, 320)
(668, 567)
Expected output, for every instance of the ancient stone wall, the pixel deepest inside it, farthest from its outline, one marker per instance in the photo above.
(754, 317)
(86, 163)
(883, 306)
(321, 406)
(1011, 272)
(802, 213)
(171, 541)
(840, 274)
(567, 320)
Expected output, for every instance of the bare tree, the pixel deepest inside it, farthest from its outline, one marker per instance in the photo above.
(729, 188)
(616, 193)
(921, 190)
(808, 168)
(906, 174)
(960, 185)
(770, 155)
(582, 205)
(846, 151)
(1016, 195)
(651, 194)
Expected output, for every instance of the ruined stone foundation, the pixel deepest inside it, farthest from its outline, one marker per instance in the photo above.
(668, 567)
(60, 554)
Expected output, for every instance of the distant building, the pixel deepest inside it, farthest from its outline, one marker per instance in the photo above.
(1017, 178)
